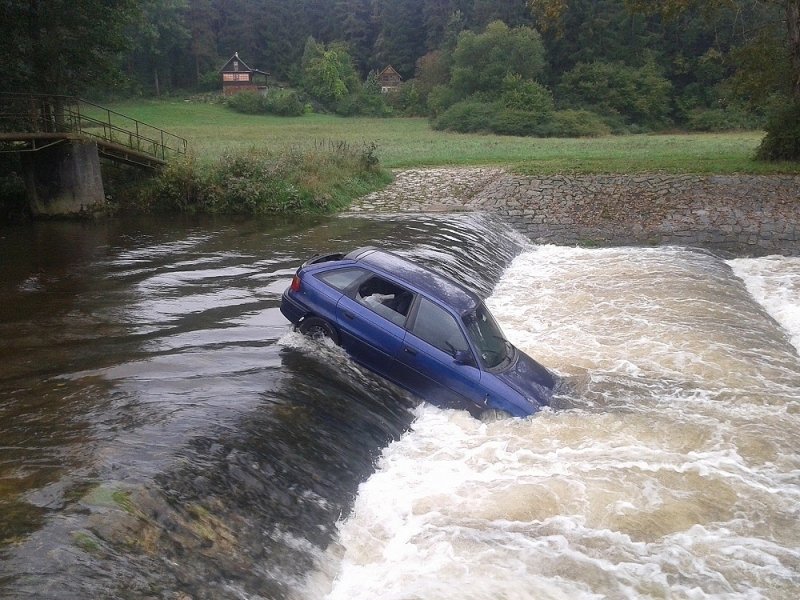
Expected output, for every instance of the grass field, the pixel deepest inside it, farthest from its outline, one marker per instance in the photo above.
(212, 129)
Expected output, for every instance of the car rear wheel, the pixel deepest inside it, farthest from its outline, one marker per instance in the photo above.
(317, 328)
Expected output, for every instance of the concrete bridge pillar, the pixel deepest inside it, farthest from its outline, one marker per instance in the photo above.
(64, 179)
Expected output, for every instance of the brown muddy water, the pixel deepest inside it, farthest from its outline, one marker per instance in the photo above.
(164, 434)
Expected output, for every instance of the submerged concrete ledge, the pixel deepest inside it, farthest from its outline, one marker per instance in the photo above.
(744, 214)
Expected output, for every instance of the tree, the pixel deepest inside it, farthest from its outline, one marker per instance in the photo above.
(482, 61)
(550, 14)
(328, 73)
(63, 46)
(782, 141)
(354, 18)
(637, 95)
(790, 9)
(512, 12)
(754, 73)
(200, 18)
(159, 35)
(432, 69)
(401, 40)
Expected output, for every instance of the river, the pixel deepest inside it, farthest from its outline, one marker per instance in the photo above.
(164, 434)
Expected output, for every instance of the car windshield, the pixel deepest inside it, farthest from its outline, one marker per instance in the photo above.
(487, 337)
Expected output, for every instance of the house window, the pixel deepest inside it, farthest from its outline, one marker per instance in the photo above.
(236, 77)
(236, 65)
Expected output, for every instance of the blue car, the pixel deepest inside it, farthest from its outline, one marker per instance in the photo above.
(417, 328)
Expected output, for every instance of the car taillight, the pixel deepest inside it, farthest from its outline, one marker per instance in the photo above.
(295, 287)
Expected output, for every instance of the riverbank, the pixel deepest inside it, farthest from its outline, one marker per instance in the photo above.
(407, 143)
(743, 214)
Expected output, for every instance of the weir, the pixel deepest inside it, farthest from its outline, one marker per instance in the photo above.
(62, 140)
(166, 432)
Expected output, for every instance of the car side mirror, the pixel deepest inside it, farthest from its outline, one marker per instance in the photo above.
(464, 357)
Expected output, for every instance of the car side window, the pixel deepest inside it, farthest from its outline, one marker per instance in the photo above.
(385, 298)
(439, 328)
(341, 279)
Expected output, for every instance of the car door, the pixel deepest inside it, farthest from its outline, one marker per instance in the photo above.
(371, 319)
(427, 359)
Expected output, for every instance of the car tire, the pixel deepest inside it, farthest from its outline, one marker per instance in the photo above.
(315, 327)
(494, 414)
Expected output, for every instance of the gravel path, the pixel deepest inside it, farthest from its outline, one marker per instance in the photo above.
(430, 190)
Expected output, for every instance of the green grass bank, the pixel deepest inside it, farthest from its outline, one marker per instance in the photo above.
(258, 164)
(213, 130)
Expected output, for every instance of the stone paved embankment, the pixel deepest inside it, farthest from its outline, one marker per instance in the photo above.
(740, 213)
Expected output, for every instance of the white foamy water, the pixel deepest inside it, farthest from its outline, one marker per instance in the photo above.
(775, 282)
(669, 470)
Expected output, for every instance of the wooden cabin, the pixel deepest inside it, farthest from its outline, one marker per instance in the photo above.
(238, 77)
(389, 79)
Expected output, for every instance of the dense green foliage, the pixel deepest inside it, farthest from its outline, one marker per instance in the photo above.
(638, 65)
(63, 46)
(635, 64)
(638, 95)
(733, 55)
(782, 141)
(284, 103)
(261, 182)
(481, 62)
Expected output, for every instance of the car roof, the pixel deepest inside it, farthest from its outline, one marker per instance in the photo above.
(428, 282)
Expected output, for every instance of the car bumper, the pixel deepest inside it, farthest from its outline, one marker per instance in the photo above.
(291, 309)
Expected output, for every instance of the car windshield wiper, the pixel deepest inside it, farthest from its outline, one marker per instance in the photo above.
(509, 346)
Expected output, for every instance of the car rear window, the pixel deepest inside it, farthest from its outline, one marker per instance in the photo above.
(385, 298)
(341, 279)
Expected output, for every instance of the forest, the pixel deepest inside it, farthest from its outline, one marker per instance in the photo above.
(535, 67)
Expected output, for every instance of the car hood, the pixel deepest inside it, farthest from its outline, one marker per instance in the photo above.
(529, 378)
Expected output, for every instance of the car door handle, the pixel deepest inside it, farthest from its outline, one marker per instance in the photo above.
(349, 315)
(410, 351)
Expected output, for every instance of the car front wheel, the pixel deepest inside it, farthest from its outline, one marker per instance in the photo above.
(315, 327)
(494, 414)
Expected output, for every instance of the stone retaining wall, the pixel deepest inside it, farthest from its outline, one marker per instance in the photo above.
(746, 214)
(733, 212)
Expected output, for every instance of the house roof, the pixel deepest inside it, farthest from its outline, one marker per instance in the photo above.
(389, 70)
(243, 68)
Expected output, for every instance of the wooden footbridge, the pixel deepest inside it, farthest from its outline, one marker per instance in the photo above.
(62, 138)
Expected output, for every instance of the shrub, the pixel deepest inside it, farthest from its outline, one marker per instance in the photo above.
(636, 94)
(284, 103)
(721, 119)
(440, 98)
(364, 102)
(577, 123)
(507, 121)
(258, 182)
(467, 116)
(526, 95)
(782, 141)
(251, 103)
(408, 100)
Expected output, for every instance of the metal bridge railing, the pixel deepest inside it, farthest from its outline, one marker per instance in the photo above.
(45, 113)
